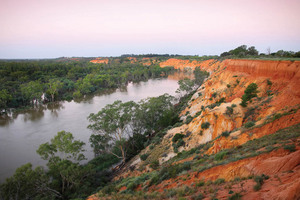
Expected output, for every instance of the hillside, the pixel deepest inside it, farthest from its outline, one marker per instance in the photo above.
(223, 149)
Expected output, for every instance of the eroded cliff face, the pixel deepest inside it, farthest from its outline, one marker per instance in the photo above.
(180, 64)
(278, 85)
(275, 107)
(100, 60)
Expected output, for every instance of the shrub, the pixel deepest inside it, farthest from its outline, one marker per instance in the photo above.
(144, 156)
(109, 189)
(201, 133)
(225, 133)
(250, 92)
(250, 113)
(236, 196)
(229, 111)
(171, 193)
(269, 82)
(177, 137)
(219, 181)
(198, 113)
(188, 119)
(201, 183)
(228, 85)
(277, 116)
(211, 106)
(180, 143)
(205, 125)
(198, 197)
(172, 171)
(214, 95)
(269, 92)
(249, 124)
(220, 155)
(154, 180)
(259, 181)
(291, 147)
(154, 165)
(155, 140)
(222, 100)
(131, 186)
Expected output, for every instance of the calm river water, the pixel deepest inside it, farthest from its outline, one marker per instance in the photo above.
(21, 134)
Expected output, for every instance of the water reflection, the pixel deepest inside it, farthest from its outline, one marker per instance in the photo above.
(90, 97)
(38, 112)
(5, 120)
(54, 108)
(180, 76)
(33, 114)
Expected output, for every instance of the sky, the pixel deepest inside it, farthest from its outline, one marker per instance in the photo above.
(90, 28)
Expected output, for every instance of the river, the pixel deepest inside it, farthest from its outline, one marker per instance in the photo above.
(23, 132)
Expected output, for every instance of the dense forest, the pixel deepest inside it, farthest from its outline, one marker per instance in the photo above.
(28, 83)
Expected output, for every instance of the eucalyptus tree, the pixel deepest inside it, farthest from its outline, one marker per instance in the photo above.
(32, 91)
(111, 127)
(54, 85)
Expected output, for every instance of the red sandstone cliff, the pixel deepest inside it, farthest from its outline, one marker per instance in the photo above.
(276, 107)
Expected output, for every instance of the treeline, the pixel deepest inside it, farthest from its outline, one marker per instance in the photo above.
(243, 52)
(32, 82)
(150, 55)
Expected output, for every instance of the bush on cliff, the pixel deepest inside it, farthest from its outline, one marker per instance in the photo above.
(250, 92)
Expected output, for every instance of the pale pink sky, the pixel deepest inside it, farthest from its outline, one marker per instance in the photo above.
(53, 28)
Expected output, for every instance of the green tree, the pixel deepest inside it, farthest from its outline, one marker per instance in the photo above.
(112, 126)
(250, 92)
(62, 146)
(252, 51)
(54, 86)
(27, 183)
(200, 76)
(186, 86)
(154, 113)
(63, 154)
(5, 97)
(32, 91)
